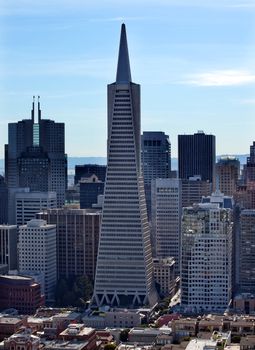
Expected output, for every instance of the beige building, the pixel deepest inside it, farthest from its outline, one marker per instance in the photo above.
(164, 274)
(227, 172)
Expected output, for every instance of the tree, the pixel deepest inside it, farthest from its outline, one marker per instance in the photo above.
(73, 291)
(124, 335)
(110, 346)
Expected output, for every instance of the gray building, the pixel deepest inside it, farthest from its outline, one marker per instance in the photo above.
(29, 203)
(166, 218)
(156, 160)
(193, 189)
(247, 251)
(3, 201)
(124, 275)
(35, 157)
(8, 246)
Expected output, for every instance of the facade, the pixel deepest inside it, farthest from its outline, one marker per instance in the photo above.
(10, 325)
(87, 170)
(8, 246)
(166, 217)
(3, 201)
(247, 251)
(37, 252)
(35, 157)
(227, 171)
(249, 169)
(196, 156)
(193, 189)
(22, 340)
(206, 265)
(124, 274)
(77, 232)
(164, 274)
(90, 189)
(21, 293)
(29, 203)
(156, 160)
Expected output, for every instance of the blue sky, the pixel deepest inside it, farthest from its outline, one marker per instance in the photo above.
(194, 59)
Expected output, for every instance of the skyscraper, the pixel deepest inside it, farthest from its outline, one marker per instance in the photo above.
(124, 275)
(77, 232)
(3, 201)
(206, 263)
(227, 173)
(37, 253)
(35, 156)
(156, 160)
(247, 251)
(166, 215)
(196, 156)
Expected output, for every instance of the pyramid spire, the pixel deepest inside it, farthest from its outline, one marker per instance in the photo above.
(123, 68)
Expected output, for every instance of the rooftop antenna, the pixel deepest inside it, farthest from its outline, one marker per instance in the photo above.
(39, 110)
(33, 110)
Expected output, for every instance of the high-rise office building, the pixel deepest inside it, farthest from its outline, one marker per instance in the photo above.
(193, 189)
(35, 157)
(90, 189)
(87, 170)
(124, 274)
(196, 156)
(156, 160)
(77, 233)
(247, 251)
(29, 203)
(206, 261)
(227, 171)
(249, 168)
(3, 201)
(37, 252)
(8, 246)
(166, 216)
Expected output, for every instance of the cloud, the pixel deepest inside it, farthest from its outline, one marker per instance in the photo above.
(248, 101)
(221, 78)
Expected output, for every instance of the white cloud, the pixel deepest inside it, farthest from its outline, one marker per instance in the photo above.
(248, 101)
(221, 78)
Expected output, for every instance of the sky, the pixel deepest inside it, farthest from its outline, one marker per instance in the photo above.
(194, 59)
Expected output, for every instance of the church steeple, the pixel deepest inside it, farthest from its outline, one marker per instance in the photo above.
(123, 69)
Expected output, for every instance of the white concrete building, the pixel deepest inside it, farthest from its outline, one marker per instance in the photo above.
(29, 203)
(37, 252)
(166, 216)
(206, 264)
(124, 273)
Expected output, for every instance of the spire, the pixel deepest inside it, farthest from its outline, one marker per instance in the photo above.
(33, 110)
(39, 110)
(123, 69)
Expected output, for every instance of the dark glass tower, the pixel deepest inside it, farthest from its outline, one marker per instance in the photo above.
(156, 160)
(124, 275)
(3, 201)
(196, 156)
(35, 156)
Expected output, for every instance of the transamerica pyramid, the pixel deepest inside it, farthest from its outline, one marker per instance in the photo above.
(124, 274)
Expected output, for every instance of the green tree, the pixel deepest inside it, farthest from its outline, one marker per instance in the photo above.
(110, 346)
(124, 335)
